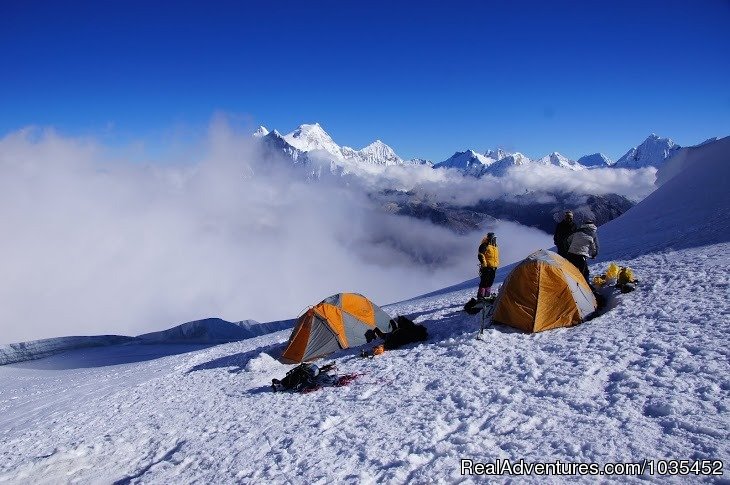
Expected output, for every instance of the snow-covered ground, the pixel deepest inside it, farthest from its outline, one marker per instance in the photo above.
(650, 378)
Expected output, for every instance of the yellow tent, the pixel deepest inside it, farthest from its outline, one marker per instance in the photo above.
(337, 322)
(542, 292)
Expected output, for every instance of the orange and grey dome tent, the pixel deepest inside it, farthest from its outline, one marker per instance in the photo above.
(542, 292)
(335, 323)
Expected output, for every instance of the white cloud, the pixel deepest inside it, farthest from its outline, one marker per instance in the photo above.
(94, 244)
(450, 186)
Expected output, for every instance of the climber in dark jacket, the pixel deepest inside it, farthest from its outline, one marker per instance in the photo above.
(583, 244)
(563, 230)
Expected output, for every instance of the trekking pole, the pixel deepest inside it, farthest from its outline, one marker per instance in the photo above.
(481, 327)
(487, 311)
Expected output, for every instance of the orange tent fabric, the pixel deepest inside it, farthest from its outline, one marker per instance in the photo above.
(543, 292)
(335, 323)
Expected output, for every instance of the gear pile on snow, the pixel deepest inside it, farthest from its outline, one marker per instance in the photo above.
(309, 377)
(301, 377)
(621, 277)
(474, 305)
(404, 331)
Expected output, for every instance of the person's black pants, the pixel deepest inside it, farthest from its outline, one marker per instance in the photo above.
(580, 262)
(486, 277)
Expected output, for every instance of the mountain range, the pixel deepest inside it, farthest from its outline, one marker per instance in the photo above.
(311, 142)
(311, 148)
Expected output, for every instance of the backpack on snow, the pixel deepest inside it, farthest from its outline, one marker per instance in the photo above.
(404, 332)
(474, 306)
(471, 307)
(299, 378)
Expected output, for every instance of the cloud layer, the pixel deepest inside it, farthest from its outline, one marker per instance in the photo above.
(96, 244)
(450, 186)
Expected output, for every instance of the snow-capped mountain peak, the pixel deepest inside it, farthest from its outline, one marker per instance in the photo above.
(313, 138)
(310, 137)
(595, 160)
(501, 166)
(379, 153)
(497, 154)
(468, 161)
(559, 160)
(276, 144)
(260, 132)
(377, 145)
(652, 152)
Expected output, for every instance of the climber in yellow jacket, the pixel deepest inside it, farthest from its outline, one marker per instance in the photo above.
(488, 264)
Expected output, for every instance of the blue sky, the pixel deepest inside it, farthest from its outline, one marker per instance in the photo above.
(428, 79)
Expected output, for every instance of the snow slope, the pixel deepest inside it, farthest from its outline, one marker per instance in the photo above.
(689, 210)
(650, 378)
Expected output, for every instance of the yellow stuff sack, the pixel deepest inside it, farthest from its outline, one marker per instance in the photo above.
(599, 280)
(626, 275)
(612, 271)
